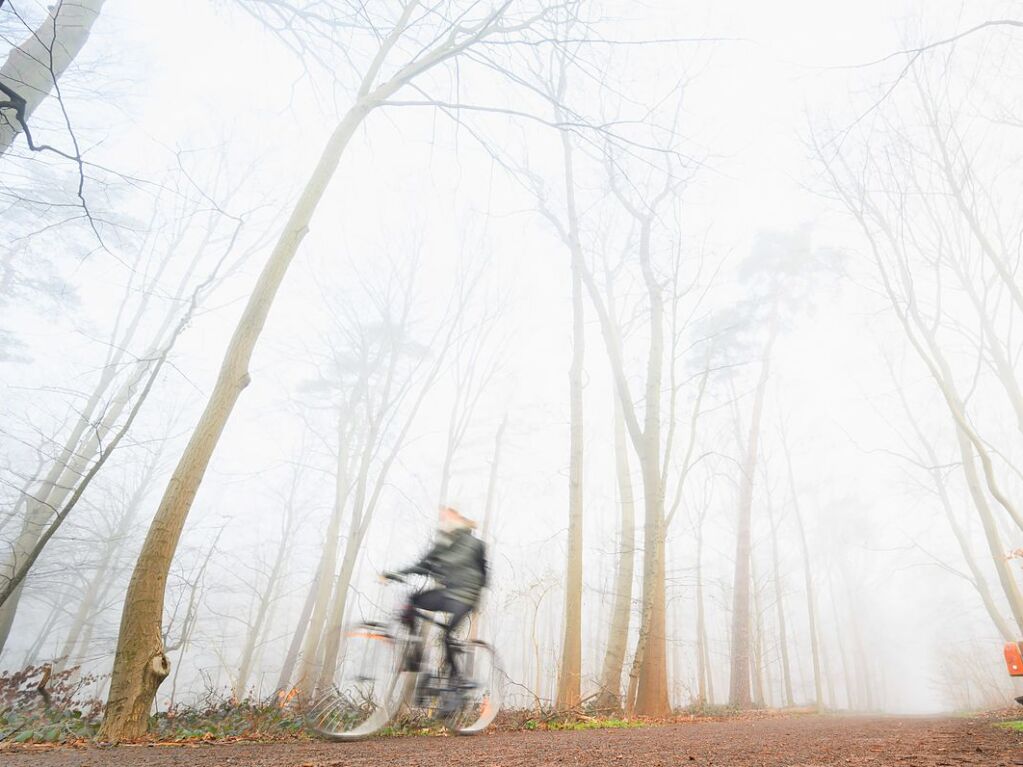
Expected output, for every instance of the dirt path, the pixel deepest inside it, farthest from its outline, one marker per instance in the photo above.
(801, 741)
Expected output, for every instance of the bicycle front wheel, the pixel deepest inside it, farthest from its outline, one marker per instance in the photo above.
(366, 688)
(481, 695)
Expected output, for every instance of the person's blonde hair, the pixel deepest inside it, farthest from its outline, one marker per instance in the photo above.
(463, 520)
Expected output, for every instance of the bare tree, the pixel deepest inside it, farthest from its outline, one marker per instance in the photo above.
(124, 381)
(437, 37)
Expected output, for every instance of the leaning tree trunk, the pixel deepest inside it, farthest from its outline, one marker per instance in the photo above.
(140, 664)
(980, 501)
(610, 695)
(33, 69)
(1006, 576)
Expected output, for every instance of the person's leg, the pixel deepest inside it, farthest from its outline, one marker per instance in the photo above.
(424, 600)
(437, 600)
(459, 612)
(434, 600)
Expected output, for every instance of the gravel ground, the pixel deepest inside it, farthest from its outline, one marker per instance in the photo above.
(797, 741)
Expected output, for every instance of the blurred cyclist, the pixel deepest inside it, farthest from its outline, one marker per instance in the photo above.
(458, 562)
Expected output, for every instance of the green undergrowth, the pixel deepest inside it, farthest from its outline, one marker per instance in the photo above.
(1014, 726)
(709, 709)
(227, 720)
(38, 705)
(599, 723)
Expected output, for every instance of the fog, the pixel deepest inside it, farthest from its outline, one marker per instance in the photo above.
(777, 242)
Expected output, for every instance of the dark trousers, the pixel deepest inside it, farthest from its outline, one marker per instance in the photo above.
(438, 600)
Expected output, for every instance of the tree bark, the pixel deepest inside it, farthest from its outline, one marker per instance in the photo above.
(610, 695)
(739, 689)
(779, 598)
(760, 694)
(33, 69)
(570, 676)
(811, 600)
(705, 682)
(488, 520)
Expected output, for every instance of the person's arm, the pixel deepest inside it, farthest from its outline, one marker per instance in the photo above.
(483, 563)
(426, 565)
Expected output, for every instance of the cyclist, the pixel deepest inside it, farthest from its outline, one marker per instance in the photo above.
(458, 562)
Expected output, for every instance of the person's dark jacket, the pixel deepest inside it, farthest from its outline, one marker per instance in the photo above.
(459, 562)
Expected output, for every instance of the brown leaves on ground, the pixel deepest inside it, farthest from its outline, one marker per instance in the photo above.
(752, 739)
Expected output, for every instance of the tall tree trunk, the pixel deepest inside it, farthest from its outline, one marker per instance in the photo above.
(570, 676)
(610, 695)
(828, 674)
(864, 675)
(34, 68)
(265, 601)
(997, 549)
(322, 587)
(757, 656)
(140, 664)
(488, 520)
(779, 598)
(811, 598)
(56, 611)
(291, 659)
(705, 683)
(335, 624)
(652, 680)
(978, 579)
(739, 691)
(851, 699)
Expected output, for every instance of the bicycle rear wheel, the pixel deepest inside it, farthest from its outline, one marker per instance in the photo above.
(482, 694)
(366, 688)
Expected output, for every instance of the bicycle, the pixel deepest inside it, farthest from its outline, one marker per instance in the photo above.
(382, 669)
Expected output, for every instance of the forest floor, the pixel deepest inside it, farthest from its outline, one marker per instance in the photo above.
(785, 741)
